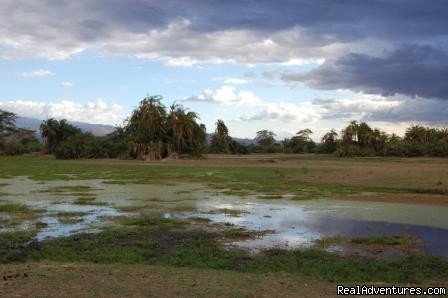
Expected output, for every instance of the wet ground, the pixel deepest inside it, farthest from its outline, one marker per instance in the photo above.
(300, 223)
(68, 207)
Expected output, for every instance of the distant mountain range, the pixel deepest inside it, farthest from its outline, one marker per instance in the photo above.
(96, 129)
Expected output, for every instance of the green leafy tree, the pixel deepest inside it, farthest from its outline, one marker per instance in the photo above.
(182, 124)
(265, 137)
(329, 142)
(56, 132)
(155, 133)
(147, 128)
(7, 127)
(220, 141)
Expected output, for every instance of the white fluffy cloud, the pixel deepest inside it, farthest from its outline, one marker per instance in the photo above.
(372, 108)
(37, 73)
(285, 112)
(275, 111)
(231, 81)
(66, 84)
(97, 112)
(227, 95)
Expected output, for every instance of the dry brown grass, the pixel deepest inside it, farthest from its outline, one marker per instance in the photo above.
(403, 173)
(88, 280)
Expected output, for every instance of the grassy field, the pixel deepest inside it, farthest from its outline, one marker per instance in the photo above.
(148, 254)
(263, 173)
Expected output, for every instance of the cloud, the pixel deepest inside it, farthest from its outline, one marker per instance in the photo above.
(97, 112)
(284, 112)
(231, 81)
(181, 33)
(227, 95)
(66, 84)
(412, 70)
(429, 111)
(381, 109)
(278, 111)
(37, 73)
(345, 109)
(366, 108)
(372, 108)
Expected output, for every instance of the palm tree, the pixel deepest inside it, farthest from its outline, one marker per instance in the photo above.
(350, 133)
(182, 125)
(220, 141)
(49, 130)
(416, 134)
(364, 134)
(148, 126)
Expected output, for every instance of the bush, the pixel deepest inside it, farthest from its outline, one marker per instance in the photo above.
(23, 146)
(352, 150)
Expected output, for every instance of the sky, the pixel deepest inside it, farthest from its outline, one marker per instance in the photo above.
(280, 65)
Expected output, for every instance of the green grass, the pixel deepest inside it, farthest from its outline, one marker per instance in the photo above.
(154, 240)
(14, 246)
(152, 220)
(69, 189)
(183, 208)
(70, 217)
(167, 242)
(70, 214)
(134, 208)
(40, 225)
(200, 219)
(228, 212)
(15, 208)
(88, 201)
(383, 240)
(232, 180)
(240, 233)
(236, 192)
(70, 220)
(151, 239)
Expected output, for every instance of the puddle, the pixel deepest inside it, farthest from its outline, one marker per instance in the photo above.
(91, 219)
(87, 204)
(298, 224)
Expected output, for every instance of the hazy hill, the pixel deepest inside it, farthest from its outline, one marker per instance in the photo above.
(95, 129)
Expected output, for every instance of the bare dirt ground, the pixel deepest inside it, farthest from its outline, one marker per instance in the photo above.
(87, 280)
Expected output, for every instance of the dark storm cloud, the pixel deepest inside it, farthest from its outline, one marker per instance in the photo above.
(346, 18)
(382, 47)
(411, 70)
(413, 110)
(386, 110)
(215, 29)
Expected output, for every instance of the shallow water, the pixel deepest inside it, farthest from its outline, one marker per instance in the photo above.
(90, 220)
(300, 223)
(56, 196)
(292, 224)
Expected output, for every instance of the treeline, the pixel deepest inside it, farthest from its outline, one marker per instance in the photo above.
(13, 140)
(154, 131)
(359, 139)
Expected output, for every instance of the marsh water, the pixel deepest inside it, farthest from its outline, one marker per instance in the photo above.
(287, 223)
